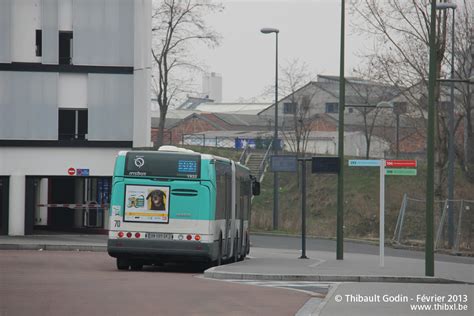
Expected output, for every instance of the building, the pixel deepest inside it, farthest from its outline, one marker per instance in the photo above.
(212, 86)
(74, 90)
(177, 127)
(395, 129)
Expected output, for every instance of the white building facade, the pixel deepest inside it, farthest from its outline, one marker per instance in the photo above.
(74, 90)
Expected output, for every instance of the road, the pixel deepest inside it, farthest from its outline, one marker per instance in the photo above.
(87, 283)
(312, 244)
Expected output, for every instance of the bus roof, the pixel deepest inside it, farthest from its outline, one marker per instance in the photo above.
(175, 149)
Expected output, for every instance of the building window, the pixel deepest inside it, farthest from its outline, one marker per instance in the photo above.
(351, 110)
(65, 47)
(289, 108)
(332, 107)
(38, 43)
(72, 124)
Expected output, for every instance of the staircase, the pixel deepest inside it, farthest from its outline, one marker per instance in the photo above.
(253, 163)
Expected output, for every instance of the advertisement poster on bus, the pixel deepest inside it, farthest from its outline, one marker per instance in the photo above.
(147, 204)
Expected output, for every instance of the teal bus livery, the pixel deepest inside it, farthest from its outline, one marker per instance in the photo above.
(175, 204)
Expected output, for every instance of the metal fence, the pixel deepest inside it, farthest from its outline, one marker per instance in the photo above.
(410, 228)
(224, 141)
(202, 140)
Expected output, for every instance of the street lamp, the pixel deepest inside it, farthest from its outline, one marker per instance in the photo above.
(430, 136)
(340, 146)
(268, 30)
(446, 6)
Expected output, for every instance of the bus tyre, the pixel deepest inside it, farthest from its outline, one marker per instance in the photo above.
(236, 249)
(247, 245)
(136, 267)
(219, 252)
(122, 264)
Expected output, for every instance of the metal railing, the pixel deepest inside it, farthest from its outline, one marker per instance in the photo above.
(202, 140)
(263, 163)
(245, 155)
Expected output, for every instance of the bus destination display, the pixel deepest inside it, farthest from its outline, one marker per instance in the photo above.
(172, 165)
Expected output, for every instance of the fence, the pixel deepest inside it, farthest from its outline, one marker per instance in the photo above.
(411, 224)
(224, 141)
(202, 140)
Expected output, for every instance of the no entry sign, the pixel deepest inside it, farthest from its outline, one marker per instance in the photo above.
(71, 171)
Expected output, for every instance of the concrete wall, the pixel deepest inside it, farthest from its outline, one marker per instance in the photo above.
(25, 20)
(72, 90)
(28, 105)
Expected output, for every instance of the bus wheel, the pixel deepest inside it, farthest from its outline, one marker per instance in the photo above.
(219, 253)
(247, 246)
(136, 266)
(122, 264)
(236, 249)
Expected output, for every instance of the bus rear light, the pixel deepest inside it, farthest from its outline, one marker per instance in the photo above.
(129, 234)
(120, 234)
(197, 237)
(189, 237)
(137, 235)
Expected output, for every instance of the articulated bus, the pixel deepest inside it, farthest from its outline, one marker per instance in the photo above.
(175, 204)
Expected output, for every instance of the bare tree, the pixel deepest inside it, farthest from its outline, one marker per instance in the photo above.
(176, 25)
(401, 31)
(367, 93)
(297, 122)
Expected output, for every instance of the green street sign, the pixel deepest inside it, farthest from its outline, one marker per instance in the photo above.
(400, 172)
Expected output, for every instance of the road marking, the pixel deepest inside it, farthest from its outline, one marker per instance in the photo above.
(316, 289)
(314, 265)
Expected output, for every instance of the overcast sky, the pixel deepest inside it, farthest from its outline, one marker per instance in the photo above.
(309, 31)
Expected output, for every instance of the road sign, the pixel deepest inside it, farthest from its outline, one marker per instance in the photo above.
(71, 171)
(400, 172)
(364, 163)
(400, 163)
(325, 165)
(82, 172)
(283, 163)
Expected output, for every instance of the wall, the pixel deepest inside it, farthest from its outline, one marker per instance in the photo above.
(110, 99)
(28, 105)
(56, 161)
(103, 32)
(25, 20)
(72, 90)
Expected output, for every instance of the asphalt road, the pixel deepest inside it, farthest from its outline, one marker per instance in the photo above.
(87, 283)
(286, 242)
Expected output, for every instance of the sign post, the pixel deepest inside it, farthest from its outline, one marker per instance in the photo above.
(382, 213)
(303, 207)
(394, 164)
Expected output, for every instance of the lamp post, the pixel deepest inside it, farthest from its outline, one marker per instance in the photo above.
(340, 147)
(268, 30)
(446, 6)
(429, 242)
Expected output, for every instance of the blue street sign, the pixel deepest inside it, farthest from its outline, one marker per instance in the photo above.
(82, 172)
(364, 163)
(283, 163)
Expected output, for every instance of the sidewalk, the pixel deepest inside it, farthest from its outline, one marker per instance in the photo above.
(275, 264)
(66, 242)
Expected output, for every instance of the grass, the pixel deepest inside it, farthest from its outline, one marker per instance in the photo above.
(361, 201)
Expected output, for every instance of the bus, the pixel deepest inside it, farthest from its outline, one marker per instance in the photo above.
(175, 205)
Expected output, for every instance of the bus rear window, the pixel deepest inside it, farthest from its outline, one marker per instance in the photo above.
(163, 164)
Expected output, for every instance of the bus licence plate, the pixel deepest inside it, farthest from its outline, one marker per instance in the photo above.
(160, 236)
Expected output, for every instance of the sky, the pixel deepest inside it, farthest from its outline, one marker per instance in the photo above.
(309, 31)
